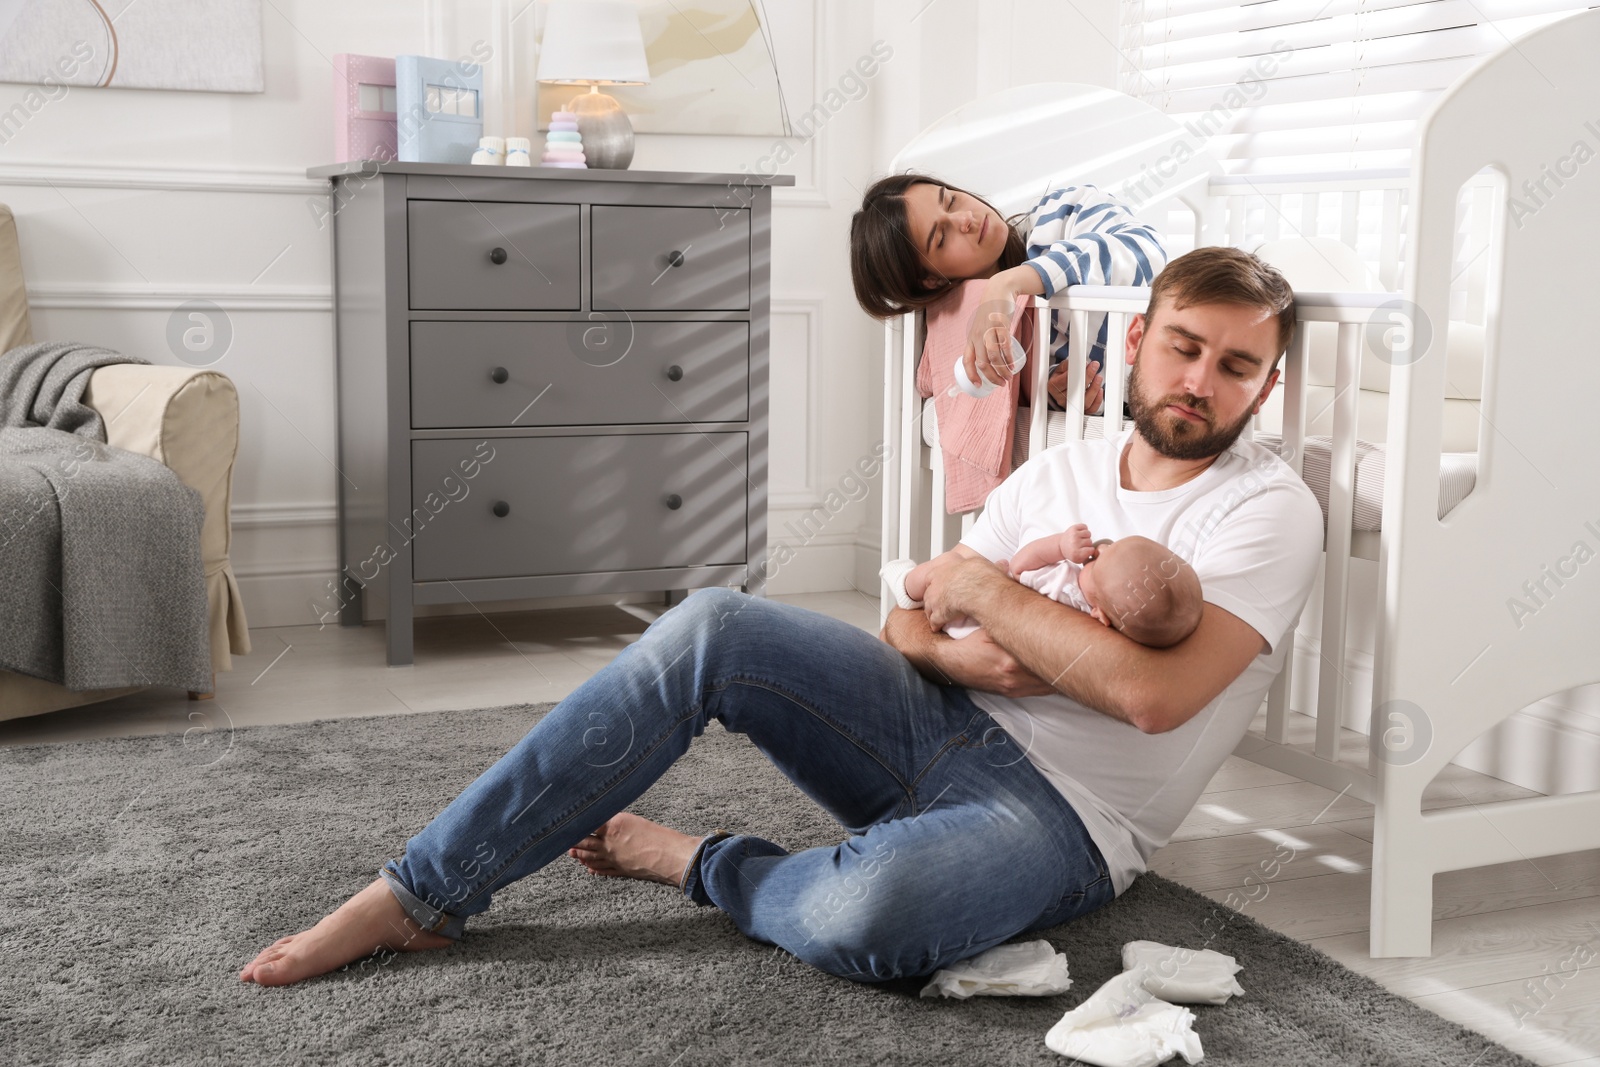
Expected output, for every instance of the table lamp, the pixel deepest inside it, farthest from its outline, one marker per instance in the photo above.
(595, 43)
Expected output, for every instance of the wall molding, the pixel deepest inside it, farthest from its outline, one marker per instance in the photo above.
(321, 573)
(814, 191)
(167, 296)
(284, 592)
(72, 174)
(286, 180)
(314, 513)
(868, 560)
(308, 513)
(811, 306)
(433, 28)
(816, 194)
(293, 181)
(795, 196)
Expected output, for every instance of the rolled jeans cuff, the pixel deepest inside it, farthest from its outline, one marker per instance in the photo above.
(430, 919)
(692, 886)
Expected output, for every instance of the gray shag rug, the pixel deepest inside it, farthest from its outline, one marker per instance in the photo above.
(140, 874)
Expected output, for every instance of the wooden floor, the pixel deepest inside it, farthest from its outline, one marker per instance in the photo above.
(1516, 947)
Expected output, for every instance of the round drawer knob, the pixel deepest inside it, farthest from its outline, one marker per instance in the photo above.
(497, 255)
(501, 508)
(674, 501)
(674, 373)
(674, 258)
(499, 375)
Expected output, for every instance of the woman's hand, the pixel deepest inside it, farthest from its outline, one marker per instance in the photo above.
(1094, 388)
(988, 352)
(989, 335)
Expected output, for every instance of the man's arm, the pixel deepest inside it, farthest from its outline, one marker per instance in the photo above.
(1154, 689)
(974, 662)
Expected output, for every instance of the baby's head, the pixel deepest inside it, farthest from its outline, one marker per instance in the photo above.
(1143, 589)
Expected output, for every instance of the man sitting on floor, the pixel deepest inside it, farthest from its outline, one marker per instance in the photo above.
(991, 786)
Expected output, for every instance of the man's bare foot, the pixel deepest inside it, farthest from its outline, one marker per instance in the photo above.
(368, 922)
(630, 846)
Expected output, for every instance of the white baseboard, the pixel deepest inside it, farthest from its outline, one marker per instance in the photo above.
(868, 563)
(285, 556)
(1552, 746)
(1546, 747)
(823, 564)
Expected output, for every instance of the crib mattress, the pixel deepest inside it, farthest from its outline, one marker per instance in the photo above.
(1458, 471)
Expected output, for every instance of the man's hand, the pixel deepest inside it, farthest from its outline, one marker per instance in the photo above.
(974, 662)
(953, 584)
(984, 665)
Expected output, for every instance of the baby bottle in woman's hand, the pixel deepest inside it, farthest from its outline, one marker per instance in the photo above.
(1019, 359)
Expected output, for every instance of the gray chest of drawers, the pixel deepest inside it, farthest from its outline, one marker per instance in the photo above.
(551, 382)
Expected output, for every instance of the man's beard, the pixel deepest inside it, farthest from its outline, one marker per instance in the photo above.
(1173, 435)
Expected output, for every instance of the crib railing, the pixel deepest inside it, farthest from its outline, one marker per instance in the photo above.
(917, 527)
(1366, 211)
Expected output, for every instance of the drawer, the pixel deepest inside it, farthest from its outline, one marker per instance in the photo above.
(492, 256)
(575, 505)
(578, 373)
(671, 258)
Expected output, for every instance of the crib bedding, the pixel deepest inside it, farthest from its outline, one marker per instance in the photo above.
(1458, 471)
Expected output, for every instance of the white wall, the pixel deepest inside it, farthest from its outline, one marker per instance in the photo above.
(131, 202)
(947, 53)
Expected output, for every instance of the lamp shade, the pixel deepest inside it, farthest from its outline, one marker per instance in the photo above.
(592, 42)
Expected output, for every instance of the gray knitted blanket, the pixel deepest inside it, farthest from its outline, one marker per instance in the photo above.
(101, 583)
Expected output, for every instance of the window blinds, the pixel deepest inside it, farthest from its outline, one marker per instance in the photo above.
(1294, 87)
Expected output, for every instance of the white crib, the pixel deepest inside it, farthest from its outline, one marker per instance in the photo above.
(1452, 658)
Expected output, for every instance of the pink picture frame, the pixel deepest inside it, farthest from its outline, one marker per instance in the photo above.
(364, 108)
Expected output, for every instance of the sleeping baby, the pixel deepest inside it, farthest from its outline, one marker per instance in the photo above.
(1134, 585)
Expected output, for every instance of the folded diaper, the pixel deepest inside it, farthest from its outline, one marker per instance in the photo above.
(1124, 1025)
(1030, 969)
(1184, 976)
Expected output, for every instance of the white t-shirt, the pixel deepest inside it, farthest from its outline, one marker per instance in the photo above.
(1058, 581)
(1253, 533)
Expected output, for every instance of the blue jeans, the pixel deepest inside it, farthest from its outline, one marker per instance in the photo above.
(957, 843)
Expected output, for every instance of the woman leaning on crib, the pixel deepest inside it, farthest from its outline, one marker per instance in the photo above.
(916, 238)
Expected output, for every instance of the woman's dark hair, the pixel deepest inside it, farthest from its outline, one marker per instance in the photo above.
(885, 264)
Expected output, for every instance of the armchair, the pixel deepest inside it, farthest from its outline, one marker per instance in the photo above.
(185, 417)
